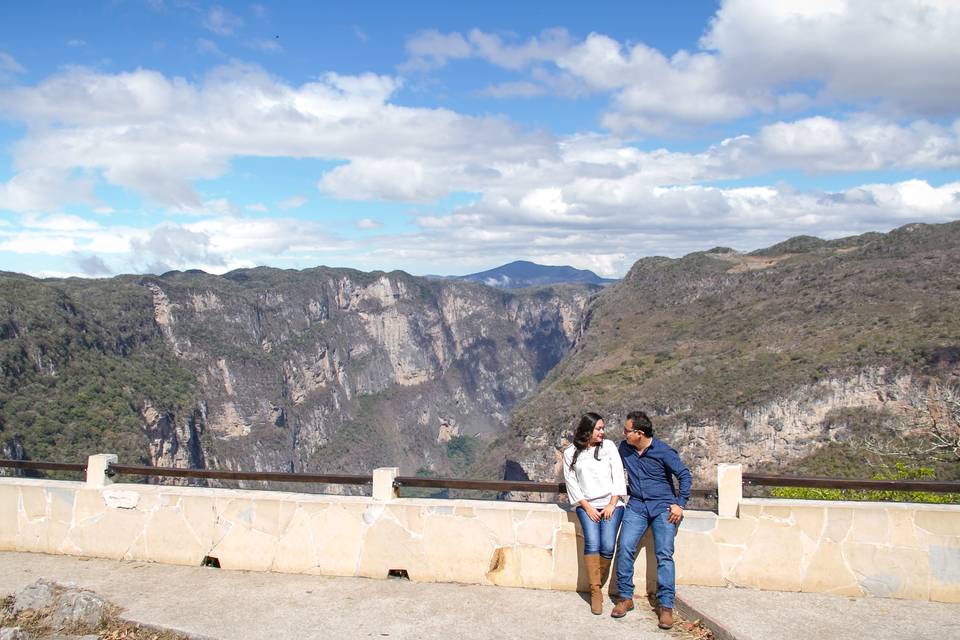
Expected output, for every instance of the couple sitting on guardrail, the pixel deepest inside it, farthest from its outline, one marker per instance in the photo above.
(597, 487)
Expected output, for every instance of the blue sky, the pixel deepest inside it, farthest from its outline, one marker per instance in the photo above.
(143, 136)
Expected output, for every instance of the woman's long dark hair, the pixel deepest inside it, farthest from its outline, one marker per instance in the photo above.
(581, 437)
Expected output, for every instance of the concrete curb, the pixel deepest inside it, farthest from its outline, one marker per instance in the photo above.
(691, 613)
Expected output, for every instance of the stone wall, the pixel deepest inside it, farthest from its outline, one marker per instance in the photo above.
(858, 549)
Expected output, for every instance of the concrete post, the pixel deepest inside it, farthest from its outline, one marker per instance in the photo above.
(96, 470)
(383, 483)
(729, 489)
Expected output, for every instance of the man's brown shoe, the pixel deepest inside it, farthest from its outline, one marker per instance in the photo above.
(620, 609)
(666, 618)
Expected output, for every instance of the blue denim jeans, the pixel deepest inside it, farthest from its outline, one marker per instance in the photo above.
(634, 525)
(600, 537)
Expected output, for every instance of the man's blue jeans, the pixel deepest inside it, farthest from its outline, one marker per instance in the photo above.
(600, 537)
(634, 525)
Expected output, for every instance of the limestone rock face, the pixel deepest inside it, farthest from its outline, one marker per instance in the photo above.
(764, 358)
(344, 371)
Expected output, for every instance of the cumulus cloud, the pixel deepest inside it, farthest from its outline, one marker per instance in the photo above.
(169, 247)
(155, 135)
(756, 57)
(44, 189)
(677, 220)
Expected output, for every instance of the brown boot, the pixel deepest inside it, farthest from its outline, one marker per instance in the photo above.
(604, 570)
(666, 618)
(593, 578)
(623, 605)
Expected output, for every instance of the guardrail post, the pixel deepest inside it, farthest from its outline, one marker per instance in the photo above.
(383, 488)
(97, 470)
(729, 489)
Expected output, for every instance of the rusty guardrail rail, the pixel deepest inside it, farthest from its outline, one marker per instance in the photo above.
(767, 480)
(266, 476)
(37, 465)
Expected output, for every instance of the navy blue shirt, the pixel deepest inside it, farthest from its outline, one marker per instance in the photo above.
(650, 477)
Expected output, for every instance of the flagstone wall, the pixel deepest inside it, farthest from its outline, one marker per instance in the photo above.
(856, 549)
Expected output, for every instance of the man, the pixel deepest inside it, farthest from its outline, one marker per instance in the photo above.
(650, 465)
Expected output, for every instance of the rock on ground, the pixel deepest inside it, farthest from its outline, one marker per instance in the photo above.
(68, 606)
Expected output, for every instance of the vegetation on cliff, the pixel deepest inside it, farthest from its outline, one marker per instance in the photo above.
(715, 337)
(78, 359)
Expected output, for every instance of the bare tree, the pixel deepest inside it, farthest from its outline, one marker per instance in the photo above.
(931, 433)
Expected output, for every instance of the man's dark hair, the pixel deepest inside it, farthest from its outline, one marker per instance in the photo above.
(641, 422)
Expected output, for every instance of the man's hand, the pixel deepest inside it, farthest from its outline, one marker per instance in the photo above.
(676, 514)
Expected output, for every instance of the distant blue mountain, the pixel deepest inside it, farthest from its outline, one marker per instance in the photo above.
(522, 273)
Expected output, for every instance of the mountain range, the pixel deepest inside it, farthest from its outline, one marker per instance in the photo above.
(521, 273)
(812, 355)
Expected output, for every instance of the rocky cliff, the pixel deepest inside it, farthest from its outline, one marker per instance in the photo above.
(803, 349)
(263, 369)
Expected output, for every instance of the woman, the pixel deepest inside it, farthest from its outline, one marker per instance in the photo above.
(593, 472)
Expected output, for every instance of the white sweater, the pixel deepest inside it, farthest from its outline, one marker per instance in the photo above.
(595, 481)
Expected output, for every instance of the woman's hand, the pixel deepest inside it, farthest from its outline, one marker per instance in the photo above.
(592, 513)
(608, 511)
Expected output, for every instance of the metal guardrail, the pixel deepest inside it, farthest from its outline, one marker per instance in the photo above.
(266, 476)
(753, 479)
(44, 466)
(503, 485)
(766, 480)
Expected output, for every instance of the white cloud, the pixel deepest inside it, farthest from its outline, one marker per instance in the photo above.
(521, 89)
(222, 22)
(756, 57)
(9, 67)
(43, 189)
(76, 42)
(9, 64)
(29, 242)
(58, 222)
(429, 49)
(368, 223)
(92, 265)
(257, 207)
(294, 202)
(170, 247)
(209, 47)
